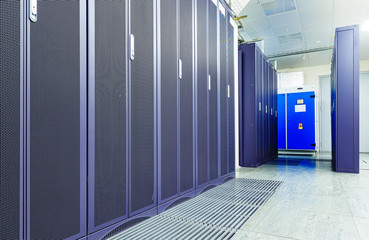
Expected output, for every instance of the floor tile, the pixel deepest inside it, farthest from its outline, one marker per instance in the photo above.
(243, 235)
(363, 228)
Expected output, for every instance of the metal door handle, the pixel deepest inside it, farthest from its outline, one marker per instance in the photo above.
(180, 68)
(229, 91)
(132, 47)
(33, 10)
(209, 82)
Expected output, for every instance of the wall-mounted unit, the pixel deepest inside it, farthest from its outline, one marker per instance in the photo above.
(257, 107)
(296, 118)
(345, 100)
(159, 126)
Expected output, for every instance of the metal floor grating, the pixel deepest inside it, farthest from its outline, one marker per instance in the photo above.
(215, 214)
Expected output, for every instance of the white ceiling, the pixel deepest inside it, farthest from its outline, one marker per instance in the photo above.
(289, 26)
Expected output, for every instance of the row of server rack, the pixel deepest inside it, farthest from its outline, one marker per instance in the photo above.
(111, 111)
(258, 116)
(345, 71)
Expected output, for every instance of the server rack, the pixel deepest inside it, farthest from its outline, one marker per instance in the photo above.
(213, 90)
(265, 108)
(223, 90)
(257, 131)
(123, 93)
(230, 94)
(345, 100)
(108, 113)
(168, 102)
(186, 122)
(56, 121)
(275, 114)
(202, 92)
(12, 118)
(270, 110)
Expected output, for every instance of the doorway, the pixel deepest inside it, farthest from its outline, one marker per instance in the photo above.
(325, 141)
(364, 112)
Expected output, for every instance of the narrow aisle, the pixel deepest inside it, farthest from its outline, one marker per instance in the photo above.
(313, 203)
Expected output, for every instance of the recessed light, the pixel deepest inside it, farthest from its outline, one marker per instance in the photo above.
(365, 25)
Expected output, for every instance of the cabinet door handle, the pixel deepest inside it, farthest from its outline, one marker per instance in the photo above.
(33, 10)
(209, 82)
(180, 68)
(132, 47)
(229, 91)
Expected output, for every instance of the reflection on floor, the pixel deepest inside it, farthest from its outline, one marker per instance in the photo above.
(312, 203)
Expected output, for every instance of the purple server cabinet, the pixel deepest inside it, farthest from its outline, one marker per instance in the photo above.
(345, 100)
(230, 94)
(265, 107)
(56, 121)
(213, 91)
(122, 117)
(108, 114)
(104, 127)
(168, 174)
(257, 119)
(202, 93)
(12, 118)
(186, 97)
(275, 113)
(223, 90)
(176, 100)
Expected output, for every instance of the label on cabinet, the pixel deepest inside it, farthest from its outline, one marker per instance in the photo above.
(300, 108)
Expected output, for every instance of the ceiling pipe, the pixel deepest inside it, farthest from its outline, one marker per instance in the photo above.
(300, 52)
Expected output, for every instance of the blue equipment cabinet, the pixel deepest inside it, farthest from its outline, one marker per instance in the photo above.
(300, 121)
(296, 120)
(282, 121)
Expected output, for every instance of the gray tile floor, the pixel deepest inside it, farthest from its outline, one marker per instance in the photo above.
(312, 203)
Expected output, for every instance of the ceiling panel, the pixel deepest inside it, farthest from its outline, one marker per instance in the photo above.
(287, 29)
(320, 58)
(286, 18)
(295, 61)
(310, 26)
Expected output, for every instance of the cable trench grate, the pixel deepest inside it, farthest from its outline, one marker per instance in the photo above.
(215, 214)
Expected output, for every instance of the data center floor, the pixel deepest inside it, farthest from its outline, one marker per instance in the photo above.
(313, 202)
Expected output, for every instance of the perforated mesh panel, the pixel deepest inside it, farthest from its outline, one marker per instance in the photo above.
(186, 94)
(231, 137)
(259, 82)
(9, 119)
(223, 95)
(110, 110)
(202, 94)
(142, 106)
(168, 99)
(213, 128)
(55, 121)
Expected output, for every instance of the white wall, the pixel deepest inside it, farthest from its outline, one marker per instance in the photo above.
(311, 75)
(364, 112)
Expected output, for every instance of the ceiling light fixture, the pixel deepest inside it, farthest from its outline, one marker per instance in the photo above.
(365, 25)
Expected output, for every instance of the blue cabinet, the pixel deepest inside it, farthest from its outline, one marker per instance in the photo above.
(296, 121)
(300, 121)
(281, 121)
